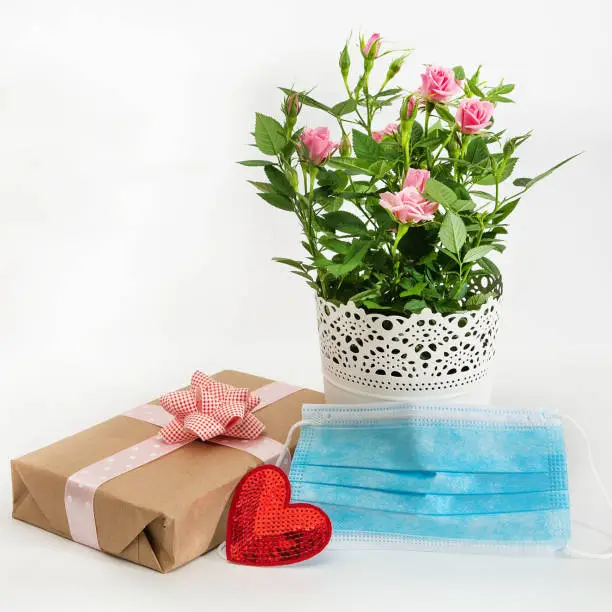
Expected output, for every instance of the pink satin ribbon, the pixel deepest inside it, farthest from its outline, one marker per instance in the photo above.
(81, 487)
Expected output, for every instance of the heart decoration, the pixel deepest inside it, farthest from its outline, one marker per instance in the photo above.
(263, 528)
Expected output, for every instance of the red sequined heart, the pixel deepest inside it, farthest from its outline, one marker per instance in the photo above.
(263, 528)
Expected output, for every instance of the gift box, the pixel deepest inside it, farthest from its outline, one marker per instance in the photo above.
(122, 489)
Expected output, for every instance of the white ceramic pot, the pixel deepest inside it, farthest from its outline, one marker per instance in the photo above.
(421, 358)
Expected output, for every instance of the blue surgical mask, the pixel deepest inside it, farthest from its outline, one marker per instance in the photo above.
(430, 478)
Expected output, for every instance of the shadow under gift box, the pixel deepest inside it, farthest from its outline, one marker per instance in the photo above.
(162, 514)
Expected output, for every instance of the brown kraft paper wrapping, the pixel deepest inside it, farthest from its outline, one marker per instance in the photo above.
(160, 515)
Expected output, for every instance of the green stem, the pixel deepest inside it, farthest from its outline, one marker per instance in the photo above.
(426, 131)
(444, 144)
(352, 97)
(401, 232)
(496, 194)
(306, 218)
(366, 92)
(464, 277)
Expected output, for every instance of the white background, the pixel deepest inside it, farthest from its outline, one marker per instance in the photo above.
(133, 251)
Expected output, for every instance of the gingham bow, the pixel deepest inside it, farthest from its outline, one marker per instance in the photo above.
(209, 409)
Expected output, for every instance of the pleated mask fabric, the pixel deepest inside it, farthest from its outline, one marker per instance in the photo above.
(435, 477)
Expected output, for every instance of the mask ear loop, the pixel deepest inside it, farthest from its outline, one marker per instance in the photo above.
(220, 550)
(571, 551)
(283, 453)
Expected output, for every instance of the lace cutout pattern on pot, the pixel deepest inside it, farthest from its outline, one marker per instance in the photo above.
(421, 352)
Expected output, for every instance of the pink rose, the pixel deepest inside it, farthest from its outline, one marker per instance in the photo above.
(416, 178)
(473, 115)
(408, 206)
(388, 131)
(439, 84)
(319, 146)
(373, 45)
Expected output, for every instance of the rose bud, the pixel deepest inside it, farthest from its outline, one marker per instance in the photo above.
(293, 106)
(345, 146)
(371, 48)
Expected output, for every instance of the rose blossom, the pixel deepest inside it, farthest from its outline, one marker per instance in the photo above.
(416, 178)
(374, 41)
(473, 115)
(389, 130)
(439, 84)
(319, 146)
(408, 206)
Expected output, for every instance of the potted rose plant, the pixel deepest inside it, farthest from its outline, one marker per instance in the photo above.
(401, 224)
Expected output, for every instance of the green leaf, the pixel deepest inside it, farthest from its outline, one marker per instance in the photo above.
(373, 292)
(415, 305)
(531, 182)
(382, 217)
(476, 150)
(352, 259)
(449, 254)
(269, 136)
(279, 181)
(459, 73)
(334, 180)
(504, 211)
(289, 262)
(483, 194)
(335, 245)
(265, 187)
(453, 232)
(445, 114)
(278, 200)
(389, 92)
(439, 192)
(473, 83)
(489, 267)
(307, 100)
(416, 289)
(391, 150)
(417, 132)
(308, 278)
(477, 300)
(489, 179)
(351, 165)
(344, 108)
(379, 168)
(365, 146)
(254, 162)
(521, 182)
(502, 89)
(345, 222)
(462, 205)
(418, 241)
(375, 305)
(476, 253)
(332, 204)
(433, 139)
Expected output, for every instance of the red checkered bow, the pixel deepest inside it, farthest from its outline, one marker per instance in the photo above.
(209, 409)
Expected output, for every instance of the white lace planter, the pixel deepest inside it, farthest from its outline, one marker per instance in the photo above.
(422, 357)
